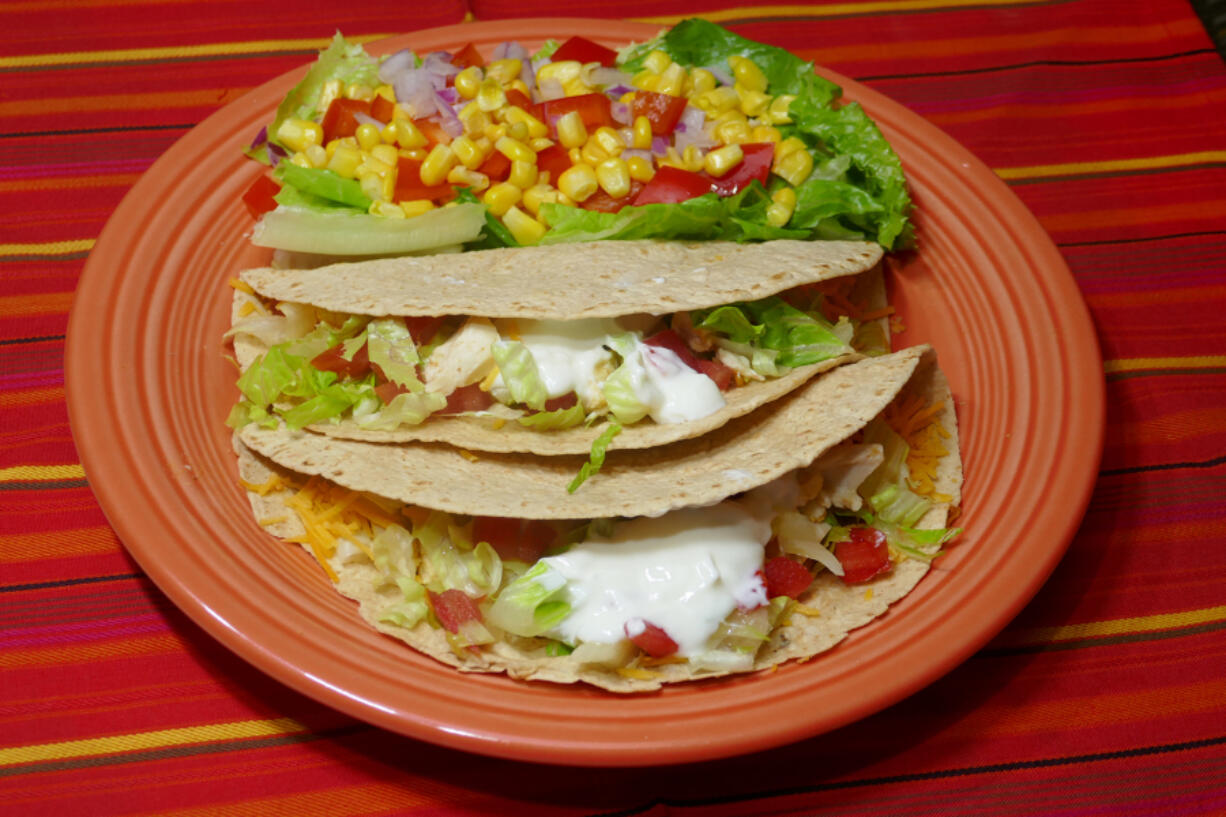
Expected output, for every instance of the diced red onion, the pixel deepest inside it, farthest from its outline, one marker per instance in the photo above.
(694, 118)
(621, 113)
(396, 63)
(630, 153)
(447, 118)
(603, 75)
(511, 50)
(367, 119)
(450, 95)
(261, 138)
(438, 65)
(552, 89)
(276, 153)
(618, 91)
(659, 145)
(721, 74)
(415, 92)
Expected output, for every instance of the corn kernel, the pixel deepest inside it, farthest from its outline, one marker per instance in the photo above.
(385, 153)
(386, 209)
(576, 87)
(627, 98)
(721, 160)
(671, 81)
(495, 132)
(609, 140)
(717, 100)
(501, 197)
(491, 96)
(296, 134)
(387, 134)
(331, 90)
(789, 145)
(300, 159)
(575, 155)
(753, 103)
(571, 131)
(475, 181)
(777, 113)
(693, 159)
(578, 182)
(359, 91)
(523, 174)
(701, 81)
(593, 153)
(657, 61)
(640, 169)
(474, 120)
(524, 227)
(793, 167)
(408, 135)
(734, 132)
(766, 133)
(642, 133)
(386, 91)
(746, 72)
(372, 186)
(438, 162)
(514, 150)
(613, 176)
(518, 131)
(415, 207)
(538, 194)
(416, 154)
(467, 151)
(783, 203)
(504, 70)
(540, 144)
(519, 85)
(345, 160)
(468, 82)
(563, 71)
(367, 135)
(536, 128)
(645, 80)
(672, 158)
(316, 155)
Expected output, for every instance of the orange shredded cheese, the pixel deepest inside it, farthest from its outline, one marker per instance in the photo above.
(246, 309)
(637, 673)
(468, 455)
(659, 662)
(272, 520)
(805, 610)
(242, 286)
(918, 423)
(273, 483)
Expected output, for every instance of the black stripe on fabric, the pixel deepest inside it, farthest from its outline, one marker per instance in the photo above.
(240, 744)
(117, 577)
(51, 256)
(1102, 641)
(942, 774)
(1163, 466)
(35, 339)
(76, 66)
(1141, 239)
(48, 485)
(1017, 66)
(1191, 370)
(92, 131)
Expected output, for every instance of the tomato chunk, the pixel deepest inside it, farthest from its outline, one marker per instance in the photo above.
(453, 608)
(497, 167)
(333, 360)
(864, 556)
(423, 328)
(669, 339)
(603, 202)
(466, 56)
(564, 402)
(515, 539)
(722, 374)
(382, 108)
(389, 391)
(433, 132)
(584, 50)
(596, 110)
(651, 639)
(663, 111)
(467, 398)
(259, 196)
(756, 164)
(409, 185)
(554, 159)
(341, 118)
(671, 185)
(519, 99)
(786, 577)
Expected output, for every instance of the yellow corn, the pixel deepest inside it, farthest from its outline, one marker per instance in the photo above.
(613, 176)
(504, 70)
(386, 91)
(491, 96)
(476, 182)
(316, 155)
(783, 203)
(693, 159)
(777, 112)
(540, 144)
(408, 135)
(345, 160)
(734, 132)
(793, 167)
(386, 154)
(753, 103)
(468, 82)
(501, 197)
(296, 134)
(416, 154)
(358, 91)
(789, 145)
(645, 80)
(514, 149)
(609, 140)
(536, 128)
(571, 131)
(468, 152)
(575, 155)
(474, 120)
(518, 131)
(672, 80)
(415, 207)
(626, 98)
(437, 164)
(331, 90)
(640, 169)
(372, 186)
(721, 160)
(746, 72)
(524, 227)
(300, 159)
(578, 182)
(519, 85)
(701, 81)
(593, 153)
(657, 61)
(717, 100)
(386, 209)
(765, 133)
(523, 174)
(387, 134)
(642, 133)
(563, 71)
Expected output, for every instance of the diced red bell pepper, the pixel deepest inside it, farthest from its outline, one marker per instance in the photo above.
(584, 50)
(453, 608)
(671, 185)
(467, 56)
(467, 398)
(723, 375)
(554, 159)
(864, 556)
(519, 99)
(604, 203)
(497, 167)
(669, 339)
(389, 391)
(259, 196)
(663, 111)
(341, 118)
(423, 328)
(409, 185)
(515, 539)
(433, 131)
(786, 577)
(756, 164)
(333, 360)
(564, 402)
(652, 640)
(382, 108)
(596, 110)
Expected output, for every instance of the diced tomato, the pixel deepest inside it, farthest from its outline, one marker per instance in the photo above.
(389, 391)
(669, 339)
(863, 556)
(596, 110)
(466, 56)
(453, 608)
(584, 50)
(722, 374)
(409, 185)
(756, 164)
(536, 539)
(554, 159)
(604, 203)
(341, 118)
(433, 132)
(671, 185)
(564, 402)
(259, 196)
(663, 111)
(382, 108)
(515, 539)
(518, 98)
(333, 360)
(653, 640)
(423, 328)
(497, 166)
(467, 398)
(786, 577)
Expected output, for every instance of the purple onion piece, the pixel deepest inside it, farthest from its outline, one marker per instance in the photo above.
(367, 119)
(392, 67)
(415, 91)
(621, 113)
(276, 153)
(659, 145)
(721, 74)
(447, 117)
(261, 138)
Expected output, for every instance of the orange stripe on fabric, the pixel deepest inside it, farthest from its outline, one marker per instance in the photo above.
(161, 100)
(175, 51)
(70, 183)
(1136, 364)
(1141, 216)
(334, 802)
(833, 10)
(1113, 165)
(48, 303)
(26, 547)
(1155, 297)
(85, 653)
(1118, 626)
(1076, 110)
(30, 397)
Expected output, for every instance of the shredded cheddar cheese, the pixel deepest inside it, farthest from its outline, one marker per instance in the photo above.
(242, 286)
(805, 610)
(637, 673)
(918, 424)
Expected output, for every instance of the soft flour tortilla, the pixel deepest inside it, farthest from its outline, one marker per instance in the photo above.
(840, 608)
(746, 452)
(599, 279)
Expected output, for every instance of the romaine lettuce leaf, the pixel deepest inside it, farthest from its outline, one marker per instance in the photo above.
(520, 374)
(772, 323)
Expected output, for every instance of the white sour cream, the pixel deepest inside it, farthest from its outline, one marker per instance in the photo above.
(683, 572)
(570, 355)
(672, 391)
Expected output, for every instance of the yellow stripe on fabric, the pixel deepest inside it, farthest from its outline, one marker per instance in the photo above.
(1118, 626)
(48, 247)
(175, 52)
(834, 10)
(1134, 364)
(32, 473)
(1112, 166)
(159, 739)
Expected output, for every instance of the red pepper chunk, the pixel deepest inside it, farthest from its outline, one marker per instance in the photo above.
(554, 159)
(652, 640)
(663, 111)
(518, 98)
(723, 375)
(382, 108)
(259, 196)
(468, 56)
(341, 118)
(596, 110)
(584, 50)
(333, 360)
(497, 167)
(786, 577)
(604, 203)
(467, 398)
(514, 539)
(410, 187)
(671, 185)
(453, 609)
(864, 556)
(669, 339)
(756, 164)
(423, 328)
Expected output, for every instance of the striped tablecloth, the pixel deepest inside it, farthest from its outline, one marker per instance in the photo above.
(1107, 695)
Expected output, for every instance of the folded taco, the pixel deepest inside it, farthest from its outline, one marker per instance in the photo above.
(551, 350)
(766, 540)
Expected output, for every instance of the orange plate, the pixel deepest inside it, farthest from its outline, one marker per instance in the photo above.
(149, 390)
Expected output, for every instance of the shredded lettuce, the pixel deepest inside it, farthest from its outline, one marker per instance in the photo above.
(530, 605)
(520, 373)
(390, 347)
(556, 419)
(596, 459)
(451, 562)
(320, 184)
(621, 387)
(886, 489)
(771, 323)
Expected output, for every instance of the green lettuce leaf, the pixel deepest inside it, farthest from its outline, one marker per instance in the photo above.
(556, 419)
(772, 323)
(307, 184)
(530, 605)
(520, 374)
(390, 347)
(596, 459)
